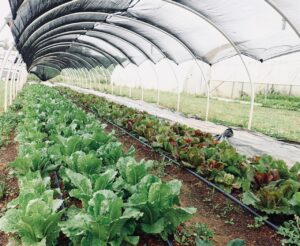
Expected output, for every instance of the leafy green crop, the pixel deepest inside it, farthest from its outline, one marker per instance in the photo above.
(273, 198)
(156, 200)
(104, 222)
(55, 135)
(218, 162)
(34, 214)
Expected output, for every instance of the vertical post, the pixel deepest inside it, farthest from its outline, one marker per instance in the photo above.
(242, 90)
(94, 78)
(266, 92)
(7, 55)
(208, 93)
(130, 91)
(74, 79)
(157, 83)
(84, 78)
(178, 86)
(99, 85)
(19, 81)
(66, 76)
(141, 81)
(14, 84)
(207, 86)
(290, 91)
(6, 83)
(232, 90)
(23, 78)
(16, 80)
(77, 80)
(87, 78)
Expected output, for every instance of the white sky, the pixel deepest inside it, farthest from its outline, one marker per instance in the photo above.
(4, 11)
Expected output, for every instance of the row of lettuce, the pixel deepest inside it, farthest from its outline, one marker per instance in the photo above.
(267, 184)
(120, 199)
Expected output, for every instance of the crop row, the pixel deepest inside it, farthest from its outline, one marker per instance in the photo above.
(265, 183)
(119, 198)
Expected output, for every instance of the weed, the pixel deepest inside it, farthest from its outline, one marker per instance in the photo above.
(258, 222)
(229, 222)
(291, 232)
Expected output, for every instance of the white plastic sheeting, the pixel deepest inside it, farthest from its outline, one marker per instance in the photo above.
(209, 30)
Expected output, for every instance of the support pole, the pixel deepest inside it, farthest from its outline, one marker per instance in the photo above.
(16, 80)
(100, 79)
(6, 83)
(83, 78)
(3, 65)
(13, 80)
(178, 86)
(19, 79)
(76, 77)
(72, 76)
(207, 82)
(208, 94)
(107, 75)
(67, 76)
(157, 82)
(64, 76)
(141, 81)
(89, 85)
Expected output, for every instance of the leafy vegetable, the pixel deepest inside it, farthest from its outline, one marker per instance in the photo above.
(34, 215)
(156, 201)
(103, 223)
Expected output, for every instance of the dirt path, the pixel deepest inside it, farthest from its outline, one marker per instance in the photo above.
(226, 219)
(7, 155)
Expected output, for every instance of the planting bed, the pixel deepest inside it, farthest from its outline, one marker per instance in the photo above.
(8, 154)
(225, 218)
(268, 176)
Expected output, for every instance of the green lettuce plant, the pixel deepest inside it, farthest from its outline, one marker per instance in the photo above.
(104, 222)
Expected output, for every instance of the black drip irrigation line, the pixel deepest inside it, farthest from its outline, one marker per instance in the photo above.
(204, 180)
(56, 183)
(169, 243)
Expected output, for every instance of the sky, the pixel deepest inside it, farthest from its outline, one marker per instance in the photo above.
(4, 11)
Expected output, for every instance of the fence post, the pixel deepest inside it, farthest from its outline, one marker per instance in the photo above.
(242, 92)
(232, 90)
(291, 88)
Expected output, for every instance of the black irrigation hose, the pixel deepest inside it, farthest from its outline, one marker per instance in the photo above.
(56, 184)
(169, 243)
(232, 198)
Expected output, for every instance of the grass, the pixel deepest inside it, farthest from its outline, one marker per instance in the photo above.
(278, 123)
(277, 100)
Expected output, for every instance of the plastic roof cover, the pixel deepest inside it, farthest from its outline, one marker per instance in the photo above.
(133, 31)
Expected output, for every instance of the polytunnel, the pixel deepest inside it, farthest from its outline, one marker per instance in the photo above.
(188, 66)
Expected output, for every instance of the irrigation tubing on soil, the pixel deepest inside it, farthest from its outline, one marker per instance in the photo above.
(56, 184)
(204, 180)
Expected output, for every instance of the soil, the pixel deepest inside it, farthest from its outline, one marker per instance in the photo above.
(7, 155)
(224, 218)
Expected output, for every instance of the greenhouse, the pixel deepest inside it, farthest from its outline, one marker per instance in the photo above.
(150, 122)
